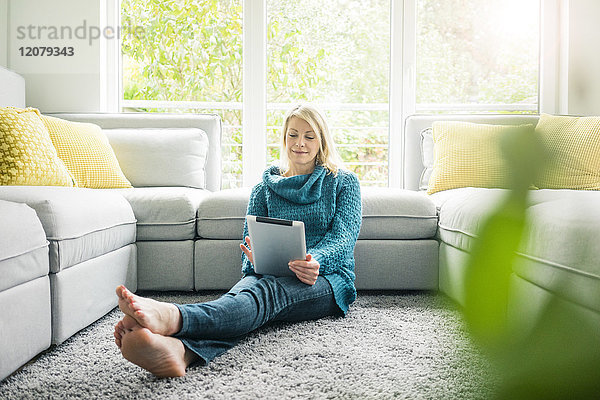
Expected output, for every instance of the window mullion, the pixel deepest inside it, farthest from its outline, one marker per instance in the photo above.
(402, 82)
(110, 50)
(254, 150)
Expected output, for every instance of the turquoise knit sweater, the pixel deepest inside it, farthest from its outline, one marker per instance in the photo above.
(330, 207)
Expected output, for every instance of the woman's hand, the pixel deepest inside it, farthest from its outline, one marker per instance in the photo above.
(306, 270)
(247, 250)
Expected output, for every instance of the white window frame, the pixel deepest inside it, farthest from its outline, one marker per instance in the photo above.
(110, 58)
(402, 81)
(552, 96)
(554, 57)
(254, 97)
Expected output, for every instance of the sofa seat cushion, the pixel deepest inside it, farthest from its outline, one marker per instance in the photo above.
(396, 214)
(393, 214)
(80, 223)
(462, 211)
(559, 251)
(164, 213)
(24, 248)
(221, 215)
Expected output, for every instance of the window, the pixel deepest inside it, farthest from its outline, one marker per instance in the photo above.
(466, 56)
(189, 59)
(477, 56)
(334, 54)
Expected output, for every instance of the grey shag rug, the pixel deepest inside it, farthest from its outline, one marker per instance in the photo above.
(410, 345)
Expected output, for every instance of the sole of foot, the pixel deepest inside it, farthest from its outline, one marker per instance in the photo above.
(163, 356)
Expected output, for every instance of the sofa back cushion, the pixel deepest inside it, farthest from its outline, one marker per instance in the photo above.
(161, 156)
(469, 155)
(427, 155)
(573, 147)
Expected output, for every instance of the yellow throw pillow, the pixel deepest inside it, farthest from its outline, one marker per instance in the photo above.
(86, 152)
(469, 155)
(27, 156)
(573, 147)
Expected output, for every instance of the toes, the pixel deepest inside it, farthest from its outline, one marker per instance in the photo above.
(140, 316)
(128, 305)
(134, 304)
(120, 291)
(124, 294)
(127, 294)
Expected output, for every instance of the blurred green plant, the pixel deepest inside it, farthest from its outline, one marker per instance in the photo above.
(557, 356)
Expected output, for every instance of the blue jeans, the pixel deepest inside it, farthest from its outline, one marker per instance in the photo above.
(210, 329)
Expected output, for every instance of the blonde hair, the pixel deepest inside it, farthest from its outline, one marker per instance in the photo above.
(328, 157)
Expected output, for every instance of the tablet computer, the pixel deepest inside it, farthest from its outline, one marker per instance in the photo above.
(275, 242)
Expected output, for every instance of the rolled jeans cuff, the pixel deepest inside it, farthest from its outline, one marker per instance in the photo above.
(185, 321)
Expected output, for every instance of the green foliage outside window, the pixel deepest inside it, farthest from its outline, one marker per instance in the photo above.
(331, 52)
(192, 50)
(482, 52)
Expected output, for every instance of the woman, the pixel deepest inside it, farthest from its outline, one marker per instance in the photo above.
(165, 338)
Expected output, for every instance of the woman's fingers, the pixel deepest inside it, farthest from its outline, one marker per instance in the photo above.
(308, 276)
(247, 251)
(309, 265)
(307, 271)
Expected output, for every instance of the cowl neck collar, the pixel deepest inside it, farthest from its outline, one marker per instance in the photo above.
(301, 189)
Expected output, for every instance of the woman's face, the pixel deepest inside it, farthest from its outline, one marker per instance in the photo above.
(302, 145)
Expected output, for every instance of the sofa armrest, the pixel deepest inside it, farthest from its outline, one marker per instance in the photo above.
(13, 89)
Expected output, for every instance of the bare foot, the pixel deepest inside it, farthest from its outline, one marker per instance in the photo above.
(163, 356)
(125, 325)
(159, 317)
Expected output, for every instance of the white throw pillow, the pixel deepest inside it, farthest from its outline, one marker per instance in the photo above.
(427, 151)
(160, 156)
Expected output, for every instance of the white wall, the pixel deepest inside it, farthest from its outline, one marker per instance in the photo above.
(3, 32)
(60, 83)
(584, 57)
